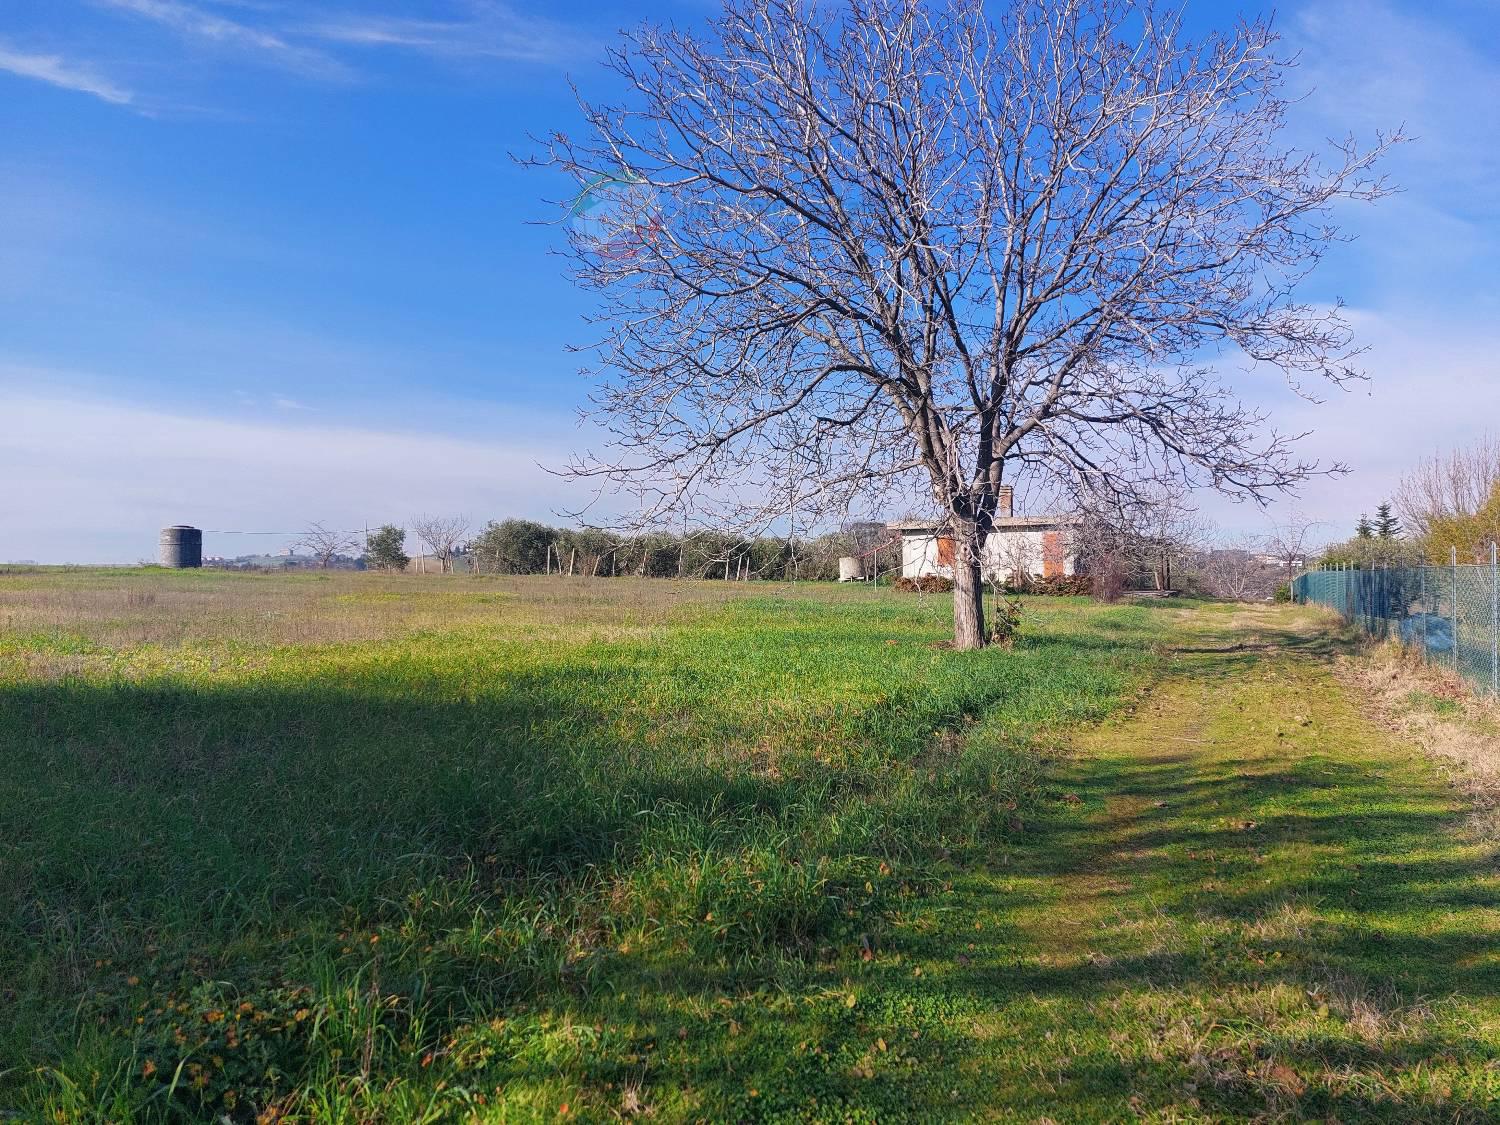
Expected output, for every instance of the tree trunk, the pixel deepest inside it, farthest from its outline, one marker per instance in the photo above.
(968, 601)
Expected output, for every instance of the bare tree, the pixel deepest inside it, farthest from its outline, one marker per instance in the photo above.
(1147, 538)
(442, 536)
(323, 544)
(857, 250)
(1016, 562)
(1235, 568)
(1456, 483)
(1290, 543)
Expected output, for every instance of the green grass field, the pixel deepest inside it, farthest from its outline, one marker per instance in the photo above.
(351, 848)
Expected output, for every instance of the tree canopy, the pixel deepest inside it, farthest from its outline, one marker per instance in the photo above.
(852, 251)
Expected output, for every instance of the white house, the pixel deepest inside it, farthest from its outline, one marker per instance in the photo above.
(1041, 546)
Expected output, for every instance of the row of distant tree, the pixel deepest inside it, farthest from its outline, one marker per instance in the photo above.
(1165, 550)
(1449, 503)
(518, 546)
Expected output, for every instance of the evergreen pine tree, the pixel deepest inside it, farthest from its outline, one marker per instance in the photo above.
(1364, 529)
(1387, 526)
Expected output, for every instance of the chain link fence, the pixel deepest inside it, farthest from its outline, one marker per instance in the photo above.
(1450, 614)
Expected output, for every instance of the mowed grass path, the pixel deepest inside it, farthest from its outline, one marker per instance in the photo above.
(366, 849)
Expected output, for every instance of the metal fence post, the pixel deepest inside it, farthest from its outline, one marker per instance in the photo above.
(1494, 621)
(1422, 586)
(1453, 603)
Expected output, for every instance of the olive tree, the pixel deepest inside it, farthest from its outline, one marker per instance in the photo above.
(385, 548)
(514, 547)
(849, 252)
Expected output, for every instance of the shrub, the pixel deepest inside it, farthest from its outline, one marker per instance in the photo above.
(926, 584)
(1058, 586)
(385, 548)
(1283, 592)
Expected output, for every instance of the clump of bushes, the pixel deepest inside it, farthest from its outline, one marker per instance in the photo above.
(926, 584)
(1058, 586)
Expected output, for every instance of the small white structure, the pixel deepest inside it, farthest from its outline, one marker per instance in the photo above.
(851, 569)
(1038, 546)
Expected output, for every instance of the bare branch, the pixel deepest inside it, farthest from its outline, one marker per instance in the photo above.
(324, 544)
(885, 249)
(442, 536)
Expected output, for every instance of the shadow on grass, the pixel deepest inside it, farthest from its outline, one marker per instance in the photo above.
(529, 865)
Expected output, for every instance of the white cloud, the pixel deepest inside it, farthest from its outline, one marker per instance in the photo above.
(1434, 385)
(56, 71)
(491, 31)
(99, 478)
(1421, 267)
(221, 32)
(1376, 66)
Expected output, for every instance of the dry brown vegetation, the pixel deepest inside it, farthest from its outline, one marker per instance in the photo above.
(150, 607)
(1438, 711)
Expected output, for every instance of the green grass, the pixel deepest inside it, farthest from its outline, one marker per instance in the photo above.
(1437, 705)
(345, 848)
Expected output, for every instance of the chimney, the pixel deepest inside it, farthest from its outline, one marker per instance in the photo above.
(1005, 497)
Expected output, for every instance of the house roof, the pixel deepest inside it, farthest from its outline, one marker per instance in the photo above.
(1002, 523)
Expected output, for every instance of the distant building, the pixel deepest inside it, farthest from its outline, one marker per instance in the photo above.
(1280, 561)
(1038, 546)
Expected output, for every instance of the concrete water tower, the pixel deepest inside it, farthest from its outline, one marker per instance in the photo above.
(181, 547)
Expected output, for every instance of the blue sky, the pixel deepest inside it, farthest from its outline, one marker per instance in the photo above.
(265, 262)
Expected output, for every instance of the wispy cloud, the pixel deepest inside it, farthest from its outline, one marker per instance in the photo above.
(1433, 385)
(1373, 65)
(57, 71)
(1376, 65)
(488, 31)
(231, 35)
(133, 468)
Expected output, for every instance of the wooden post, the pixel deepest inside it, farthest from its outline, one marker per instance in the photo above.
(572, 558)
